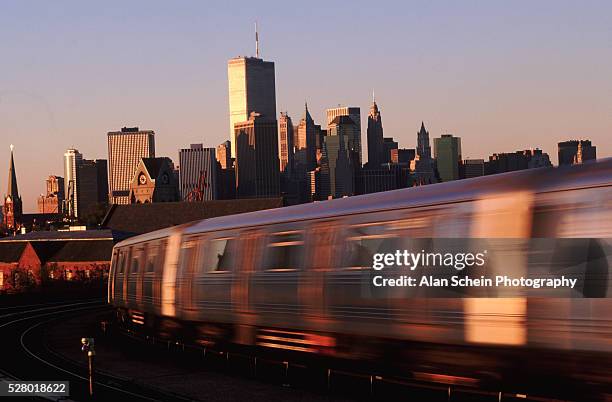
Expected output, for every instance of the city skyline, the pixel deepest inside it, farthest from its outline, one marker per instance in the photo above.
(43, 119)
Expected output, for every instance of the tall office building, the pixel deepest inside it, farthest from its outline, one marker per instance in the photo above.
(422, 166)
(472, 168)
(92, 186)
(257, 174)
(375, 137)
(52, 202)
(447, 152)
(576, 152)
(402, 156)
(12, 209)
(224, 154)
(125, 150)
(198, 173)
(226, 174)
(251, 89)
(337, 168)
(85, 184)
(285, 132)
(423, 147)
(306, 143)
(355, 114)
(389, 145)
(72, 159)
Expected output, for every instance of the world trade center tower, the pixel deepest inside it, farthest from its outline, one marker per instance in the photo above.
(251, 89)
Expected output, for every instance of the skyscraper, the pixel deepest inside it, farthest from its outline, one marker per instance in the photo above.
(576, 152)
(306, 144)
(422, 166)
(198, 173)
(472, 168)
(72, 158)
(375, 137)
(423, 147)
(355, 114)
(92, 186)
(257, 174)
(226, 174)
(388, 146)
(285, 132)
(337, 169)
(447, 152)
(125, 149)
(224, 154)
(251, 89)
(12, 209)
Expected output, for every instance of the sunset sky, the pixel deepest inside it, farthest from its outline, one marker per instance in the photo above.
(502, 76)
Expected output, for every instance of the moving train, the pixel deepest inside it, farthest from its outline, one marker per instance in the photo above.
(292, 279)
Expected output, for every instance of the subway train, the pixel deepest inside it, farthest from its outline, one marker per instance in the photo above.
(291, 280)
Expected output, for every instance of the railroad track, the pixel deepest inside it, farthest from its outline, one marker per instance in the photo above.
(25, 357)
(343, 380)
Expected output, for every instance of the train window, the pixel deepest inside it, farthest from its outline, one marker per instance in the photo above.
(284, 251)
(151, 258)
(161, 256)
(363, 241)
(219, 256)
(188, 254)
(135, 265)
(121, 262)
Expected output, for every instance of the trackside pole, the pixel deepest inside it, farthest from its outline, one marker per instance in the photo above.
(88, 346)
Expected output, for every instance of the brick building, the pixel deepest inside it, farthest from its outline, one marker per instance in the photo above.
(37, 257)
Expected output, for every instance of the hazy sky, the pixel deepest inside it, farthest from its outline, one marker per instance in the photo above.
(501, 75)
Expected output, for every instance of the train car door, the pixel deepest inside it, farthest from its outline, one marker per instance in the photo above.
(274, 290)
(501, 320)
(118, 288)
(168, 285)
(132, 276)
(214, 275)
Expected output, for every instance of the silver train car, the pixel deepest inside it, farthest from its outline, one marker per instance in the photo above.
(291, 279)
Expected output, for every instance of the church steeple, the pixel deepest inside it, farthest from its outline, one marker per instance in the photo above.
(13, 191)
(12, 208)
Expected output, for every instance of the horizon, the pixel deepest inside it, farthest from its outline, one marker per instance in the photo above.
(498, 77)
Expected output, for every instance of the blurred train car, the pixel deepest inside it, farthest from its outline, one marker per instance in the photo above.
(291, 279)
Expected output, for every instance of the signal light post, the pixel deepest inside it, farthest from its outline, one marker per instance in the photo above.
(88, 346)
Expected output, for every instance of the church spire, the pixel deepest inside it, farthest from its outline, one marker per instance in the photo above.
(13, 191)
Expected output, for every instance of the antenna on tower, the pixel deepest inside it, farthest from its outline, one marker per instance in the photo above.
(256, 41)
(373, 97)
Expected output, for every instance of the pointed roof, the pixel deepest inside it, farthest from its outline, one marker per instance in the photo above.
(13, 191)
(154, 165)
(423, 126)
(306, 115)
(374, 109)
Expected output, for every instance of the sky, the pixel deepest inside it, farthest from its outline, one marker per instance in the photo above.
(501, 75)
